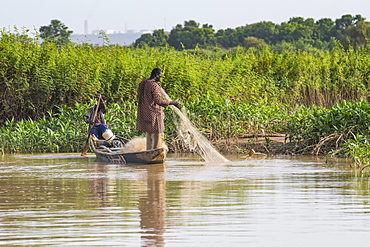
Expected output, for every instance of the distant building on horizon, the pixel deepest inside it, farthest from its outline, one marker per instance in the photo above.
(114, 36)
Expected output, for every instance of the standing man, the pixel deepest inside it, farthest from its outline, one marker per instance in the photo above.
(150, 117)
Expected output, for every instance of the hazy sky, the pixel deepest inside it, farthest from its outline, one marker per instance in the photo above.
(148, 15)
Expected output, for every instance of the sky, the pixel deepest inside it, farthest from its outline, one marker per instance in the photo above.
(123, 15)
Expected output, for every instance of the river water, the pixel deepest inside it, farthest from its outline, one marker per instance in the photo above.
(69, 200)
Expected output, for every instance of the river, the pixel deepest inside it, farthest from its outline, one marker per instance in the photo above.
(66, 199)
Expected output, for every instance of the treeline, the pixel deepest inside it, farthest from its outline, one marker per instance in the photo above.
(297, 33)
(36, 78)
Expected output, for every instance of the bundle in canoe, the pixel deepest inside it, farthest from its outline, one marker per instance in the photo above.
(116, 152)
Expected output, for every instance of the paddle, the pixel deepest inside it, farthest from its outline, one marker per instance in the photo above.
(86, 147)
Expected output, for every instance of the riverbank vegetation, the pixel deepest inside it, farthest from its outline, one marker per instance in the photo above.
(318, 98)
(338, 131)
(36, 78)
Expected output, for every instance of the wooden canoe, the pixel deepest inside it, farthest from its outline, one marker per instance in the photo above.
(115, 155)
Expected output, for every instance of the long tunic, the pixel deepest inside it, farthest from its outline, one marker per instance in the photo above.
(150, 116)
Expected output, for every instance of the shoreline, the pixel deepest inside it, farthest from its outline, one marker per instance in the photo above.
(269, 145)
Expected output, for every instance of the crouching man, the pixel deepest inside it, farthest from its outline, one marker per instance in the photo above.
(95, 117)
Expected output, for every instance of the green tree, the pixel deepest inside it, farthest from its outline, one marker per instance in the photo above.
(262, 30)
(175, 39)
(285, 32)
(296, 28)
(157, 39)
(192, 35)
(204, 36)
(253, 42)
(56, 32)
(145, 39)
(357, 35)
(228, 38)
(160, 38)
(347, 20)
(344, 23)
(345, 29)
(181, 37)
(324, 29)
(190, 25)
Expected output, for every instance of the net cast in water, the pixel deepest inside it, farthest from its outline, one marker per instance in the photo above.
(193, 139)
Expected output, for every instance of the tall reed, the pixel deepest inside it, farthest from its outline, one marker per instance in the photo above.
(36, 78)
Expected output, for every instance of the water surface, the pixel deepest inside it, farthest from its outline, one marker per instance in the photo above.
(66, 199)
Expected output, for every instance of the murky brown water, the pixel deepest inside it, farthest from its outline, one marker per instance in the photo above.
(282, 201)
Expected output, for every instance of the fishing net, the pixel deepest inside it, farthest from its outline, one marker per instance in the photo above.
(193, 139)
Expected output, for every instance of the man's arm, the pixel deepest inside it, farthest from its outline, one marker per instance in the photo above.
(88, 115)
(157, 95)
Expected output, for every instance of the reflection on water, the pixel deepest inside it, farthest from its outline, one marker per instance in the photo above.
(151, 198)
(282, 201)
(152, 205)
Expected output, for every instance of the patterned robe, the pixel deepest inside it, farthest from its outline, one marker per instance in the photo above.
(150, 116)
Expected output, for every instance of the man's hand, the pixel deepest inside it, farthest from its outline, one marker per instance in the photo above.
(176, 103)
